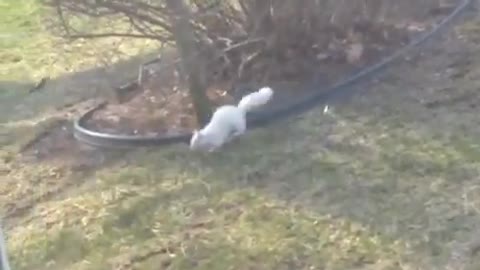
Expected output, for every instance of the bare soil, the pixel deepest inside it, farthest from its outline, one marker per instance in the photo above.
(58, 146)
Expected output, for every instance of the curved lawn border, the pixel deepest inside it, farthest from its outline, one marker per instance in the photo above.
(108, 140)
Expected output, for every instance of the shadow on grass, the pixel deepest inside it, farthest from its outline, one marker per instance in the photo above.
(16, 103)
(30, 119)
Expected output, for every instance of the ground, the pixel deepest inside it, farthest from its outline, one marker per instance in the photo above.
(386, 180)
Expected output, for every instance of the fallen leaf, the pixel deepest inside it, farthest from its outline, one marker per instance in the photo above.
(355, 53)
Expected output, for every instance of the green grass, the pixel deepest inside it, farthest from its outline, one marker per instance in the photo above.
(21, 22)
(29, 51)
(372, 186)
(23, 41)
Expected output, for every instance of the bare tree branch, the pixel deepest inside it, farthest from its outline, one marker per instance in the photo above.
(237, 34)
(105, 35)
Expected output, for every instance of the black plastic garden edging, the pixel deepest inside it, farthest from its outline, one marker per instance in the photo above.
(255, 120)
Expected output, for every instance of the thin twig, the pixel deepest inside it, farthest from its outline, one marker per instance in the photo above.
(243, 44)
(247, 61)
(105, 35)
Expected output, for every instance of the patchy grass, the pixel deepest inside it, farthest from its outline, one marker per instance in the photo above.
(144, 217)
(30, 51)
(380, 183)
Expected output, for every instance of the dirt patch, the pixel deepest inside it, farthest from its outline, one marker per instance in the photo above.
(164, 106)
(58, 146)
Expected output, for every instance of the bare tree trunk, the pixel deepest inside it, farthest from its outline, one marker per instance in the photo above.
(192, 61)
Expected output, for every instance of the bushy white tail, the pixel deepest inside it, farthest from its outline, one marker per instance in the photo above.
(255, 99)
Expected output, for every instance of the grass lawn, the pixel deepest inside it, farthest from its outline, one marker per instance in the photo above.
(382, 182)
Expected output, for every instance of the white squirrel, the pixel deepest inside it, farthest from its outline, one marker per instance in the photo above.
(228, 121)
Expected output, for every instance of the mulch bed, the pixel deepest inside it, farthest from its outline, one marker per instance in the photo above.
(164, 106)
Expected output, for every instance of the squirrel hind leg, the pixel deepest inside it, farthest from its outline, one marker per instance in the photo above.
(240, 128)
(237, 133)
(212, 149)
